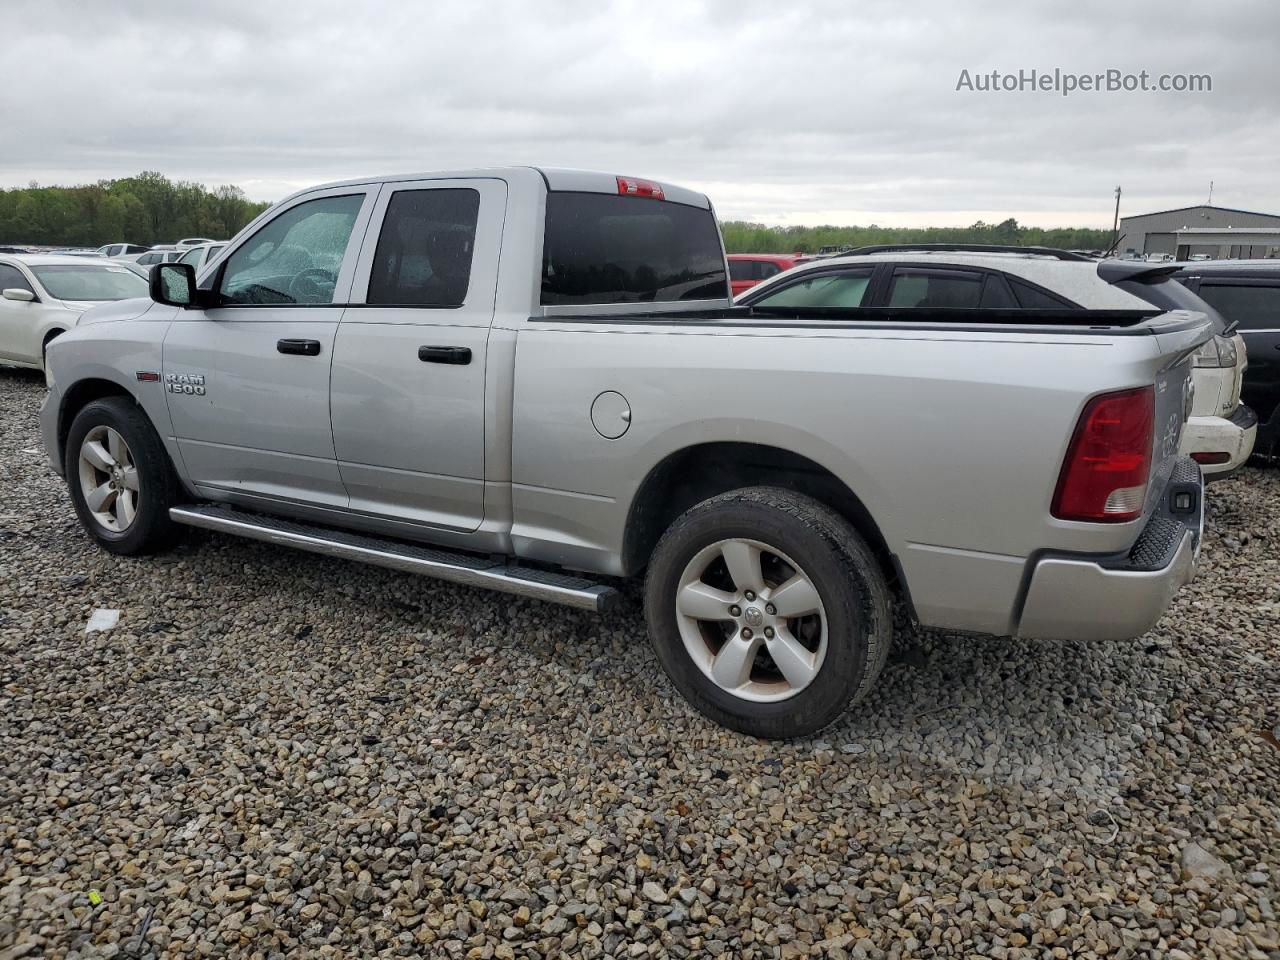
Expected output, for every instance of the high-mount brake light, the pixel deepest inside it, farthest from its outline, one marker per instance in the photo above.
(631, 187)
(1104, 477)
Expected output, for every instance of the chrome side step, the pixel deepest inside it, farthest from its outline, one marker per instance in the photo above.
(461, 568)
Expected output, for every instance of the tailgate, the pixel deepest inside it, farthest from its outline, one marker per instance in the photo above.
(1177, 334)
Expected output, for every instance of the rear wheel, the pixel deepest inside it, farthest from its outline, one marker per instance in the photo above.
(121, 481)
(768, 611)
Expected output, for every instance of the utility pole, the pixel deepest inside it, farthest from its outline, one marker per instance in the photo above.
(1210, 202)
(1115, 223)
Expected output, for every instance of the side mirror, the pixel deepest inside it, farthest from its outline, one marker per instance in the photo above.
(173, 284)
(17, 293)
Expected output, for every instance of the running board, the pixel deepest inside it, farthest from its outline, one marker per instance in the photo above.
(467, 569)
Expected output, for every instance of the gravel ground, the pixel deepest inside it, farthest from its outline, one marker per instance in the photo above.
(276, 754)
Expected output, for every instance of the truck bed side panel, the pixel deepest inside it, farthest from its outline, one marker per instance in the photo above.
(953, 441)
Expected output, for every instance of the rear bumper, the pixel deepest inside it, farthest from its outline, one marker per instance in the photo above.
(1227, 439)
(1073, 597)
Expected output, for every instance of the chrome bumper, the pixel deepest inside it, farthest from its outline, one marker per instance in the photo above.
(1121, 597)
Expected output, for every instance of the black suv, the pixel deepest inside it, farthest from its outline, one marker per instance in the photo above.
(1247, 293)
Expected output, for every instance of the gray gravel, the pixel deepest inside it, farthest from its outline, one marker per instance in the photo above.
(275, 754)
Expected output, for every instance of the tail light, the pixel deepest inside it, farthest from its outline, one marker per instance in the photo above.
(631, 187)
(1218, 352)
(1104, 478)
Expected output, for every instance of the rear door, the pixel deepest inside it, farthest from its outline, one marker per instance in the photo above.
(408, 384)
(1253, 304)
(247, 378)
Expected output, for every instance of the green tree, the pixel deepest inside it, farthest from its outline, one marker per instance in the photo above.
(147, 208)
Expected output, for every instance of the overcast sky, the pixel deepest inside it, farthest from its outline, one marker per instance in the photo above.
(784, 111)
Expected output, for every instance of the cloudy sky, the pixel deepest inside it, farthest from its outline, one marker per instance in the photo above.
(785, 112)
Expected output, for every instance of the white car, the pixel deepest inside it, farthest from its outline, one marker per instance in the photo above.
(43, 296)
(199, 255)
(1220, 432)
(118, 251)
(193, 241)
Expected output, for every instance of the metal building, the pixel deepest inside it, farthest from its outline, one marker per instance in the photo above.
(1202, 229)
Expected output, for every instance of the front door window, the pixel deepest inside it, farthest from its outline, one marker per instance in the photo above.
(293, 259)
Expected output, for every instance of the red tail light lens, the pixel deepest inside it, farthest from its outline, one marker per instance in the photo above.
(631, 187)
(1104, 478)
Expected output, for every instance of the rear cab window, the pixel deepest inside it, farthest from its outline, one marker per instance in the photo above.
(600, 248)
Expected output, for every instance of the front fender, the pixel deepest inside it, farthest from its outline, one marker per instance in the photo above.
(88, 362)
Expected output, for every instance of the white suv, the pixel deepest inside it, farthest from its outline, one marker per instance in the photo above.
(974, 278)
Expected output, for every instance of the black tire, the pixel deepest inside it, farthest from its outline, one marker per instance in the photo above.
(848, 579)
(159, 489)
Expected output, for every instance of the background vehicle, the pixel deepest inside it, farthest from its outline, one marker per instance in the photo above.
(199, 255)
(1247, 294)
(1220, 432)
(533, 380)
(114, 250)
(748, 269)
(193, 241)
(44, 296)
(153, 256)
(72, 253)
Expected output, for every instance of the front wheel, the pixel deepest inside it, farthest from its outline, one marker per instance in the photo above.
(121, 481)
(768, 611)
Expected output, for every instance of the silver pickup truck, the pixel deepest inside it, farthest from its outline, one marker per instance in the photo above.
(533, 380)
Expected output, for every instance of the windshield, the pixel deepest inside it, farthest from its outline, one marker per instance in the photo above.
(74, 281)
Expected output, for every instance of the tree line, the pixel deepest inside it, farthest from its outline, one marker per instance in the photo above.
(741, 237)
(147, 209)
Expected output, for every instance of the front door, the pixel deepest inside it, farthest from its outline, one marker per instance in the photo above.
(408, 386)
(20, 320)
(247, 378)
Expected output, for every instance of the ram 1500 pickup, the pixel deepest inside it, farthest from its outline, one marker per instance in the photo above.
(533, 380)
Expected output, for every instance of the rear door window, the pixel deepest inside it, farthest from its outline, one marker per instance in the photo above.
(424, 251)
(1251, 306)
(845, 289)
(603, 248)
(935, 289)
(743, 270)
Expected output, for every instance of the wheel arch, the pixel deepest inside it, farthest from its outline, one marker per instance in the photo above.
(78, 396)
(694, 473)
(49, 335)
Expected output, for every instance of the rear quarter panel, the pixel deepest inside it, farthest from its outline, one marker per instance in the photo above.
(952, 440)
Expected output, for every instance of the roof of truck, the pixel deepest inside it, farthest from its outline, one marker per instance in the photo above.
(555, 178)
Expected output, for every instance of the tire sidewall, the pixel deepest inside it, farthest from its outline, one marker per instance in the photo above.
(846, 602)
(149, 459)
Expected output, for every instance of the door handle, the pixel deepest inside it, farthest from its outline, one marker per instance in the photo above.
(301, 348)
(458, 355)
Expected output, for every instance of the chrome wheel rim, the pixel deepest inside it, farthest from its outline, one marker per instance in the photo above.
(109, 479)
(751, 620)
